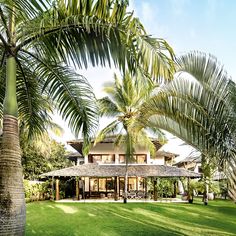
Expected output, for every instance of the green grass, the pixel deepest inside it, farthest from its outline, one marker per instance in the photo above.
(113, 219)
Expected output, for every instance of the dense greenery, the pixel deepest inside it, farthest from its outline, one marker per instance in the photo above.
(43, 155)
(36, 191)
(199, 107)
(116, 219)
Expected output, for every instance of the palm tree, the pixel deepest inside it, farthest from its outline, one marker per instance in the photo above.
(38, 40)
(198, 107)
(124, 102)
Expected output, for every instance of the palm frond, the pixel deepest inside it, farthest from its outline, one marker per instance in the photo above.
(86, 34)
(71, 94)
(110, 130)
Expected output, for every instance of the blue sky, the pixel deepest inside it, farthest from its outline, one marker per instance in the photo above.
(204, 25)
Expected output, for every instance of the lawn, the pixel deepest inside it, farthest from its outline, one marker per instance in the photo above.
(111, 219)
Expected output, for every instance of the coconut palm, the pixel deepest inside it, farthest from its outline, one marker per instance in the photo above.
(198, 107)
(123, 104)
(38, 40)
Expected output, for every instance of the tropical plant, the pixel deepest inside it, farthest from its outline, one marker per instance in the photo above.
(42, 155)
(124, 103)
(198, 106)
(38, 40)
(35, 191)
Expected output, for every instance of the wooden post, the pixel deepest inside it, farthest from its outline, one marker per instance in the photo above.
(77, 188)
(145, 186)
(57, 190)
(175, 189)
(155, 189)
(115, 190)
(52, 183)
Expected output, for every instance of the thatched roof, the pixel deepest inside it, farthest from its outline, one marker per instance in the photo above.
(190, 159)
(168, 155)
(78, 144)
(105, 170)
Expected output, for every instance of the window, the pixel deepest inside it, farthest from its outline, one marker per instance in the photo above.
(132, 183)
(138, 158)
(101, 158)
(108, 159)
(102, 184)
(94, 184)
(110, 184)
(121, 159)
(141, 159)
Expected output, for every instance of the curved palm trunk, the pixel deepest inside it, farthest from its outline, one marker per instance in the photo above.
(231, 174)
(12, 200)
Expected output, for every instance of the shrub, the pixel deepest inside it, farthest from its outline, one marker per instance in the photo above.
(36, 191)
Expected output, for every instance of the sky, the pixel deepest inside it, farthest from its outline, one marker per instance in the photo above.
(187, 25)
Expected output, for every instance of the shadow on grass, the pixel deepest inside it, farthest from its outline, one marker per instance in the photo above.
(46, 218)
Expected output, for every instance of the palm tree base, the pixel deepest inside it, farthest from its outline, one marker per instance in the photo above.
(12, 199)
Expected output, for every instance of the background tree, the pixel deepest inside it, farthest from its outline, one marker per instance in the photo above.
(198, 106)
(38, 40)
(42, 155)
(124, 102)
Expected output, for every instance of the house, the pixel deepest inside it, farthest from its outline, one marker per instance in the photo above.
(191, 162)
(194, 163)
(101, 173)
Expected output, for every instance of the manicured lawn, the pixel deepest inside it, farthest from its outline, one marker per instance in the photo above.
(113, 219)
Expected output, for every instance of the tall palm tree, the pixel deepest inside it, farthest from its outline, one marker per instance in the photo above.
(38, 40)
(198, 106)
(123, 103)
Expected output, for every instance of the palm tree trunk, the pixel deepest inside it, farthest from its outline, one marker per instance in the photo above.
(231, 174)
(126, 183)
(12, 199)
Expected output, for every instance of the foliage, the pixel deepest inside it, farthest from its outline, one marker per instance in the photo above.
(123, 102)
(198, 186)
(36, 191)
(165, 187)
(42, 155)
(144, 219)
(73, 32)
(198, 106)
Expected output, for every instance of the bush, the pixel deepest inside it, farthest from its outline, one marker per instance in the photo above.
(36, 191)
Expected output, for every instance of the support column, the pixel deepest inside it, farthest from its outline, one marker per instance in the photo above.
(190, 192)
(52, 184)
(175, 189)
(155, 189)
(57, 190)
(145, 186)
(77, 188)
(115, 190)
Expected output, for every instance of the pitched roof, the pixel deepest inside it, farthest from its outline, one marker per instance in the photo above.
(78, 143)
(165, 154)
(195, 159)
(107, 170)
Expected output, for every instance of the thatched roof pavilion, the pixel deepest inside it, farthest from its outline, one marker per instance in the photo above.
(106, 170)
